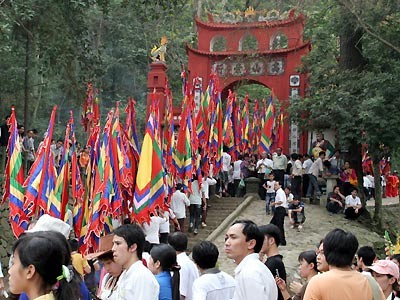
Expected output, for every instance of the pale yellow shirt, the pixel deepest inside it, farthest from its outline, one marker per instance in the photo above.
(46, 297)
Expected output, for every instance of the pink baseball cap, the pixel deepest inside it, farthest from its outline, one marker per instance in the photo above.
(385, 267)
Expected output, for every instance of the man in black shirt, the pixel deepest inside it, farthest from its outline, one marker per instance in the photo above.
(272, 237)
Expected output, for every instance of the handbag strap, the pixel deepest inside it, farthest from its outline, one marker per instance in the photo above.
(375, 287)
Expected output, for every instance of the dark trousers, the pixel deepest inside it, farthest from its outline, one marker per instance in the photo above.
(298, 217)
(279, 176)
(195, 212)
(305, 184)
(181, 225)
(261, 190)
(296, 186)
(164, 238)
(279, 219)
(350, 213)
(333, 207)
(204, 212)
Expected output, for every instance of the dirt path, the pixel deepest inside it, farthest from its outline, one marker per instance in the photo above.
(318, 223)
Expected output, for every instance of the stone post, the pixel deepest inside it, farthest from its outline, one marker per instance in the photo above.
(252, 185)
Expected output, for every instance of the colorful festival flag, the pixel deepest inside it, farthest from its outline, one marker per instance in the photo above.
(40, 183)
(149, 191)
(245, 126)
(266, 133)
(14, 175)
(228, 134)
(90, 114)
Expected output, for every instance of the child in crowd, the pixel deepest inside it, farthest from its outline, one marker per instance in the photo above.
(289, 195)
(270, 195)
(296, 213)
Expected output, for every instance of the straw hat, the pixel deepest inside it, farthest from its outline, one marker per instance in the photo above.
(105, 246)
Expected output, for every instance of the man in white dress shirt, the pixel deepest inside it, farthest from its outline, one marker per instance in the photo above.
(179, 201)
(213, 284)
(188, 272)
(280, 205)
(136, 281)
(254, 280)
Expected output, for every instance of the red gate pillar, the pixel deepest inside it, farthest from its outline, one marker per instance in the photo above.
(156, 81)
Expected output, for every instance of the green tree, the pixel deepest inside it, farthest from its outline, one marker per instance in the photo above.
(353, 78)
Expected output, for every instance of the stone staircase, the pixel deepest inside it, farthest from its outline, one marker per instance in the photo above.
(219, 210)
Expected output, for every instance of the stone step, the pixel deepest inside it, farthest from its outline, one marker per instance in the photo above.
(219, 210)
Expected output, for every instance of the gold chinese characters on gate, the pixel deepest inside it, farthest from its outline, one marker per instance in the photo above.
(249, 15)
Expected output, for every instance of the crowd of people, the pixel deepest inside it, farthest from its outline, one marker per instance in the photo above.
(45, 266)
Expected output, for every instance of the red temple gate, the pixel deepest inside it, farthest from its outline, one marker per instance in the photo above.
(254, 47)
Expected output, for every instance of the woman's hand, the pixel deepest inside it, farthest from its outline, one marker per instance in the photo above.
(296, 287)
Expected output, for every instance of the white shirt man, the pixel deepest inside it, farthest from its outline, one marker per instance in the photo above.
(226, 161)
(307, 165)
(264, 165)
(179, 201)
(136, 281)
(253, 279)
(195, 196)
(188, 274)
(280, 197)
(316, 167)
(214, 286)
(168, 215)
(205, 187)
(152, 229)
(353, 200)
(297, 169)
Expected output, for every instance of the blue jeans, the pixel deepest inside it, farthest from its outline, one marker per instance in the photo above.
(270, 197)
(313, 187)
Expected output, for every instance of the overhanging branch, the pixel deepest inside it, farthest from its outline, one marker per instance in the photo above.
(367, 27)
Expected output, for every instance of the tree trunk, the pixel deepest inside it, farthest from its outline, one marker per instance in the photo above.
(378, 192)
(356, 163)
(351, 56)
(28, 45)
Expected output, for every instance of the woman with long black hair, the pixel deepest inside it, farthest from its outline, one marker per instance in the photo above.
(162, 263)
(40, 268)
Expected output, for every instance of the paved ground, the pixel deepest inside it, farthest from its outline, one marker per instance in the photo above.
(318, 223)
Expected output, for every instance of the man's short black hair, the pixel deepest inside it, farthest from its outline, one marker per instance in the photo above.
(179, 187)
(368, 255)
(273, 231)
(132, 234)
(322, 153)
(205, 255)
(340, 247)
(251, 232)
(294, 156)
(178, 240)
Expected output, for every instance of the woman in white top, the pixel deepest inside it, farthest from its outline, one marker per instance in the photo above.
(196, 198)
